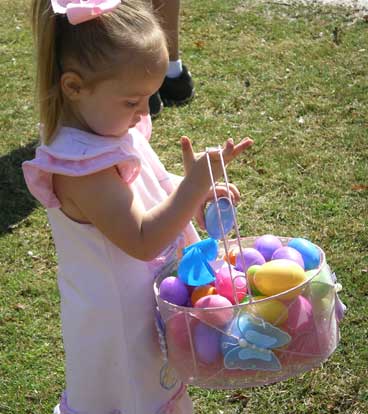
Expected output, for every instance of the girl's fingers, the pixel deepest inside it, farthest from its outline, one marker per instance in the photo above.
(230, 150)
(188, 153)
(200, 217)
(240, 147)
(221, 191)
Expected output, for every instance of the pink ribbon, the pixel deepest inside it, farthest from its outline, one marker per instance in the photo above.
(79, 11)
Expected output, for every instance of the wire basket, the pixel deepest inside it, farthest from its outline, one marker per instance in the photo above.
(250, 344)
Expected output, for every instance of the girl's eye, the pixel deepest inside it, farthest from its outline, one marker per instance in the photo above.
(131, 104)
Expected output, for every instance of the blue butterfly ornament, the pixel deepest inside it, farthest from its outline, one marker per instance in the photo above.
(249, 343)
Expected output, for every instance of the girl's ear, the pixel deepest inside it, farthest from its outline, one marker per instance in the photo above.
(71, 85)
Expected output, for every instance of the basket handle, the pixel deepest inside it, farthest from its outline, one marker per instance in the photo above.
(236, 227)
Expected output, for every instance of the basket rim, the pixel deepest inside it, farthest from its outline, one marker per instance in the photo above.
(180, 308)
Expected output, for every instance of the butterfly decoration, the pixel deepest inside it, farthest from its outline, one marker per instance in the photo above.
(194, 269)
(249, 343)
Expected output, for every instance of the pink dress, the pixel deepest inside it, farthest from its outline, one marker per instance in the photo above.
(113, 360)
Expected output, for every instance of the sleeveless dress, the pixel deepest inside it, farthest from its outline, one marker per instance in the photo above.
(113, 359)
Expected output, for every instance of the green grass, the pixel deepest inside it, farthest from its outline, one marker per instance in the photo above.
(270, 71)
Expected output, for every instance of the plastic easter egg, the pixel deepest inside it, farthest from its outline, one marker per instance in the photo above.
(267, 245)
(173, 290)
(300, 317)
(323, 307)
(303, 348)
(201, 291)
(271, 310)
(321, 284)
(178, 330)
(249, 258)
(215, 317)
(287, 252)
(212, 222)
(224, 285)
(309, 252)
(232, 256)
(246, 299)
(206, 343)
(250, 277)
(277, 276)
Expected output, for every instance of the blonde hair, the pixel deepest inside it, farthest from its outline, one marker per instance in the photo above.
(95, 48)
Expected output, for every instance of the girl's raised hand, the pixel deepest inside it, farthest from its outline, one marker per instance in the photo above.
(196, 163)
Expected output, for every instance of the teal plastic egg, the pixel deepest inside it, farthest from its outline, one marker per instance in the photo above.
(309, 252)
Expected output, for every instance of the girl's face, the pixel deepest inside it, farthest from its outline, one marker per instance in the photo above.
(113, 106)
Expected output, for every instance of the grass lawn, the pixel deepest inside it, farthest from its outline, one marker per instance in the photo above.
(293, 78)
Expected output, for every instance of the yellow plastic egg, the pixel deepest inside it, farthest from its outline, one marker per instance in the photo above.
(271, 310)
(277, 276)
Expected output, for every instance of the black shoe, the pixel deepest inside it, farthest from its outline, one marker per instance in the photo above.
(155, 104)
(177, 91)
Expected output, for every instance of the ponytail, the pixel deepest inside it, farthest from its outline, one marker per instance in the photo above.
(50, 99)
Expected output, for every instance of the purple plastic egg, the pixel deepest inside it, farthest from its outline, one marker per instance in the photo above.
(289, 253)
(251, 257)
(206, 343)
(174, 291)
(267, 245)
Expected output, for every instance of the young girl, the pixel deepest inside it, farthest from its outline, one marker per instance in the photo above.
(115, 214)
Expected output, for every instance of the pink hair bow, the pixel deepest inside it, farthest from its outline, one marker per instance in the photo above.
(79, 11)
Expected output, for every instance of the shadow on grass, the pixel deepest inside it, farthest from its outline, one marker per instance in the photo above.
(16, 203)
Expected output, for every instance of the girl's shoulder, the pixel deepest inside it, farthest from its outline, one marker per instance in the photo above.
(77, 153)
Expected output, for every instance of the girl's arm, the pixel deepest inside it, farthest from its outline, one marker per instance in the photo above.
(108, 203)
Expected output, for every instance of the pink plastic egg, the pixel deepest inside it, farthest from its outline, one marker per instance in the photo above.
(224, 286)
(178, 330)
(300, 315)
(216, 317)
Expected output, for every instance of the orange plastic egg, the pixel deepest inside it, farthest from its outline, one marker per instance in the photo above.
(201, 291)
(232, 256)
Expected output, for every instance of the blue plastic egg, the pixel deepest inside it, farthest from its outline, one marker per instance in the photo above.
(227, 213)
(308, 250)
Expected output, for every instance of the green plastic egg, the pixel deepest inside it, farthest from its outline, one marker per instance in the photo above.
(321, 284)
